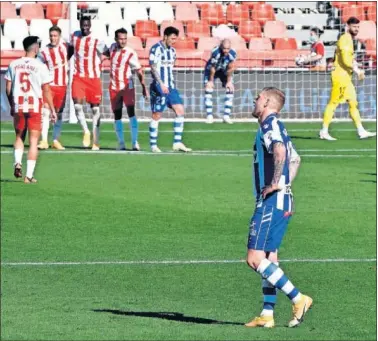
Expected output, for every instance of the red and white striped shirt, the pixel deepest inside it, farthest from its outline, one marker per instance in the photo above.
(27, 76)
(87, 54)
(123, 61)
(318, 49)
(55, 57)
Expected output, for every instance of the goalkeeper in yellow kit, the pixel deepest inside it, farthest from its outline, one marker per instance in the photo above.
(343, 89)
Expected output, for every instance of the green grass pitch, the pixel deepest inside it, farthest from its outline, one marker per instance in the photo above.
(111, 207)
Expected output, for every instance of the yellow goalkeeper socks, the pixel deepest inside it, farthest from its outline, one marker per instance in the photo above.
(328, 115)
(355, 114)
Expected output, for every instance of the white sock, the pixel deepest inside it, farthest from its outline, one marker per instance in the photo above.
(18, 156)
(45, 124)
(267, 312)
(81, 117)
(360, 129)
(118, 126)
(325, 129)
(30, 168)
(154, 127)
(96, 125)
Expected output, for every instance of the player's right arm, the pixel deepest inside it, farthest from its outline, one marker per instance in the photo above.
(155, 56)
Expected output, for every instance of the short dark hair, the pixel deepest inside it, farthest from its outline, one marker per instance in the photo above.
(120, 30)
(278, 95)
(353, 21)
(29, 41)
(85, 18)
(171, 30)
(317, 31)
(55, 28)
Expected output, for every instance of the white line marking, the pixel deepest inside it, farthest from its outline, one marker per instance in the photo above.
(199, 153)
(183, 262)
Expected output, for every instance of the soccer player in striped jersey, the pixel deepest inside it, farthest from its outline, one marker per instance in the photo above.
(220, 65)
(27, 83)
(163, 90)
(86, 85)
(123, 62)
(55, 55)
(276, 164)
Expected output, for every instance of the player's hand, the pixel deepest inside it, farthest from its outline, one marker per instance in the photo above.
(165, 89)
(230, 86)
(53, 117)
(269, 189)
(361, 75)
(210, 85)
(144, 92)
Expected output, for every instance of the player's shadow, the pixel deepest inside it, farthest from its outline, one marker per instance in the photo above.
(10, 180)
(371, 180)
(7, 145)
(294, 137)
(171, 316)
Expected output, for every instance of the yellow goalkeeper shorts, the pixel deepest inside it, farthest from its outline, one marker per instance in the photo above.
(342, 91)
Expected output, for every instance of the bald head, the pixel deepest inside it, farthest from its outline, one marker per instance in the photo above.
(225, 46)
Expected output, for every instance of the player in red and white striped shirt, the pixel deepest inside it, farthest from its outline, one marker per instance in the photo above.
(123, 61)
(55, 55)
(86, 85)
(27, 83)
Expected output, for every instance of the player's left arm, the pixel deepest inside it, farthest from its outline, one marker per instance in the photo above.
(8, 87)
(136, 66)
(314, 57)
(230, 71)
(47, 95)
(294, 163)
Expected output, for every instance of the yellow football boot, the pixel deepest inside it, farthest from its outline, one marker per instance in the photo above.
(57, 145)
(43, 145)
(87, 139)
(299, 311)
(261, 321)
(95, 147)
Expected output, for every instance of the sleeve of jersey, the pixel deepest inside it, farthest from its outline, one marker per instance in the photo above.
(134, 62)
(233, 55)
(154, 55)
(46, 76)
(319, 49)
(41, 58)
(271, 134)
(346, 51)
(8, 74)
(101, 47)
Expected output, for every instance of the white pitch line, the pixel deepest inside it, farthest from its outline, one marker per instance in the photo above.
(199, 153)
(184, 262)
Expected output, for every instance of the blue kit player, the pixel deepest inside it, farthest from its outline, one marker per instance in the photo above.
(276, 164)
(220, 65)
(163, 90)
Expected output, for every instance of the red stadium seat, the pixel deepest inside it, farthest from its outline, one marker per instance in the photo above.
(146, 28)
(238, 43)
(252, 4)
(56, 11)
(275, 29)
(263, 13)
(371, 48)
(368, 30)
(341, 4)
(213, 13)
(32, 11)
(237, 14)
(186, 11)
(372, 13)
(7, 11)
(197, 29)
(151, 41)
(8, 56)
(352, 11)
(135, 43)
(82, 5)
(285, 44)
(189, 58)
(250, 29)
(184, 43)
(178, 24)
(260, 44)
(366, 4)
(207, 43)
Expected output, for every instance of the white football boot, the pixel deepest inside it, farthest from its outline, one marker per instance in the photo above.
(324, 135)
(210, 119)
(227, 119)
(155, 149)
(366, 134)
(180, 147)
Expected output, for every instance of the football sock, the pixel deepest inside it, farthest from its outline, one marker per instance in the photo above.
(328, 115)
(178, 128)
(30, 168)
(133, 121)
(209, 102)
(57, 130)
(275, 276)
(228, 103)
(96, 125)
(154, 125)
(45, 124)
(81, 117)
(18, 155)
(118, 126)
(270, 297)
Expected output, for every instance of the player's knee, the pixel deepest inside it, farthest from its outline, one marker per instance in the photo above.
(45, 113)
(353, 105)
(96, 116)
(117, 114)
(156, 116)
(78, 107)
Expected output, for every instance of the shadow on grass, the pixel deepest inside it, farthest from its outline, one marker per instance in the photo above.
(171, 316)
(304, 137)
(10, 180)
(371, 181)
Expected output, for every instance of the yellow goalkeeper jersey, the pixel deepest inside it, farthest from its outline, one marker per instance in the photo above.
(344, 57)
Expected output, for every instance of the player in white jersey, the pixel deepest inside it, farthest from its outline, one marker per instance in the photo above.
(163, 90)
(123, 62)
(27, 83)
(55, 55)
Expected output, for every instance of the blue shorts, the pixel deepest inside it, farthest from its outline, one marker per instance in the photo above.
(267, 228)
(219, 74)
(160, 101)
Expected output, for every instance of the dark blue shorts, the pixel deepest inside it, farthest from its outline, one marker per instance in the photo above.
(219, 74)
(160, 101)
(267, 228)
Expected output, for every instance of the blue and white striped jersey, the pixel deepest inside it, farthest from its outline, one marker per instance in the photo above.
(272, 131)
(164, 58)
(219, 60)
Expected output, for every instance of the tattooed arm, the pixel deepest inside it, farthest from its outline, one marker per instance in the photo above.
(156, 75)
(279, 157)
(294, 164)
